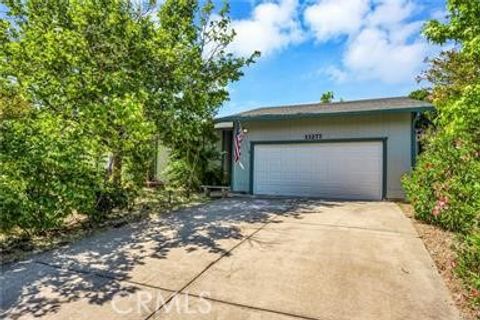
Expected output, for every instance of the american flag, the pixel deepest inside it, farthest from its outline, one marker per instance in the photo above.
(237, 142)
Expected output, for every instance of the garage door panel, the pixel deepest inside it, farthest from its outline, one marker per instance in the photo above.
(350, 170)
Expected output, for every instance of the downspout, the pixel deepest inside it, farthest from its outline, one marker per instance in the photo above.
(232, 166)
(413, 138)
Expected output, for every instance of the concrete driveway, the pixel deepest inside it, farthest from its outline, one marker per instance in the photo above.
(238, 259)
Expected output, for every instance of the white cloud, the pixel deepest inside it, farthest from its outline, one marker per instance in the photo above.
(382, 43)
(372, 54)
(332, 18)
(271, 27)
(383, 39)
(335, 74)
(390, 12)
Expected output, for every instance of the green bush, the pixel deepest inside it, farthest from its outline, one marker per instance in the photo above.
(195, 160)
(50, 168)
(469, 264)
(108, 198)
(190, 175)
(47, 171)
(444, 187)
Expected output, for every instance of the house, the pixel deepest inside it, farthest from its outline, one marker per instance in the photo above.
(346, 150)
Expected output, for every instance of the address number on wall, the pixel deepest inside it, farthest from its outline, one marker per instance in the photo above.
(313, 136)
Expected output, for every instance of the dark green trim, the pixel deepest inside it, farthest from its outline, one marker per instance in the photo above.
(380, 139)
(252, 159)
(384, 168)
(269, 117)
(317, 141)
(413, 139)
(232, 162)
(227, 154)
(230, 167)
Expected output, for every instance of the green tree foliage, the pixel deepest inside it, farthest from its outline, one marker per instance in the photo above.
(76, 64)
(445, 185)
(83, 81)
(444, 188)
(449, 169)
(46, 172)
(203, 71)
(197, 162)
(327, 97)
(451, 72)
(420, 94)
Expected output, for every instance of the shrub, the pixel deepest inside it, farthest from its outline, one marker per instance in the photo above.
(49, 168)
(46, 172)
(444, 188)
(196, 160)
(108, 198)
(469, 264)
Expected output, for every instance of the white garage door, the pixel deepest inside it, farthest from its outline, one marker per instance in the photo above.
(345, 170)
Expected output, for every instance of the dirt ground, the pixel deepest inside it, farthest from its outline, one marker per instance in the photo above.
(439, 244)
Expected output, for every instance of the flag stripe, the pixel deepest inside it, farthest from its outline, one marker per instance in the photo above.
(238, 138)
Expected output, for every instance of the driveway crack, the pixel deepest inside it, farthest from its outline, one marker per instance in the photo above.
(99, 275)
(211, 264)
(245, 306)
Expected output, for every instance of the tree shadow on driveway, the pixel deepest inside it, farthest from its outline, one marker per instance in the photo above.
(98, 268)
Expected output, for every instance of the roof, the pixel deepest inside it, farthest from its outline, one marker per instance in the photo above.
(357, 107)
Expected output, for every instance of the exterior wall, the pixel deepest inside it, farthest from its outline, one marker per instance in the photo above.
(396, 127)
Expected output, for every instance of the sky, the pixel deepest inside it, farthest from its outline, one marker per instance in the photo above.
(356, 48)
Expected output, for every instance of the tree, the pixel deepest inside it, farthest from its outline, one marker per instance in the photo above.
(105, 78)
(420, 94)
(444, 186)
(451, 72)
(46, 172)
(454, 143)
(203, 72)
(84, 61)
(327, 97)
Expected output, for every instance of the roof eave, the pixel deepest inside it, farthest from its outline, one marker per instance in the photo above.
(266, 117)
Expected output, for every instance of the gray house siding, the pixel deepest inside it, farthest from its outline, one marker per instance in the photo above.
(396, 127)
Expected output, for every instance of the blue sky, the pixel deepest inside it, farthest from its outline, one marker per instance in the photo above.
(355, 48)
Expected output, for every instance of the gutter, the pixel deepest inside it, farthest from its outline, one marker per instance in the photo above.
(270, 117)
